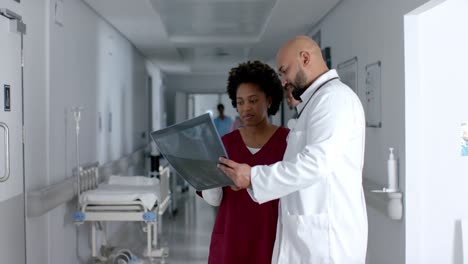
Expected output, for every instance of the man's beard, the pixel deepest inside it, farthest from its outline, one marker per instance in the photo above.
(297, 92)
(299, 85)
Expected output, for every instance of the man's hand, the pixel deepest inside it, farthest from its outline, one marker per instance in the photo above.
(239, 173)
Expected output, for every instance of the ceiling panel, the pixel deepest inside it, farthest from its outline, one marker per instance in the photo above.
(206, 36)
(213, 53)
(188, 18)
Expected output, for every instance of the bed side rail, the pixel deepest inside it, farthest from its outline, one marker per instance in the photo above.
(164, 181)
(89, 177)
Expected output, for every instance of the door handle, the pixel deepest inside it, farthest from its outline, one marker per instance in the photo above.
(7, 153)
(16, 24)
(10, 14)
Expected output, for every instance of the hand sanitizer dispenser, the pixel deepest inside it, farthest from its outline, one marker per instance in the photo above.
(392, 172)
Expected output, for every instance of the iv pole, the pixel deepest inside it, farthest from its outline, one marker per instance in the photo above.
(77, 114)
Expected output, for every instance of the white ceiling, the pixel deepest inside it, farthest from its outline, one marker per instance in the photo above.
(210, 36)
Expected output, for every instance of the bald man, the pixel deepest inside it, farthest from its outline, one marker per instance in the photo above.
(322, 216)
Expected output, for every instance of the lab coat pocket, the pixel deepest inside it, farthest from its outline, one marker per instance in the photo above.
(296, 142)
(309, 237)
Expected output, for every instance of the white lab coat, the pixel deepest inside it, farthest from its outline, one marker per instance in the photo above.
(322, 216)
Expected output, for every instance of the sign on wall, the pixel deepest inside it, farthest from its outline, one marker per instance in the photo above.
(464, 139)
(348, 72)
(373, 95)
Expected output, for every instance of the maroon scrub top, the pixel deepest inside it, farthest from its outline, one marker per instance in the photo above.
(245, 231)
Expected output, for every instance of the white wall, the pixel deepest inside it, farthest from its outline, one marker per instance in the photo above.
(35, 120)
(158, 103)
(85, 62)
(157, 96)
(186, 84)
(203, 103)
(92, 66)
(372, 31)
(181, 105)
(436, 42)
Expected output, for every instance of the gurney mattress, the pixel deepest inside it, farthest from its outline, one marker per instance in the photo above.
(121, 189)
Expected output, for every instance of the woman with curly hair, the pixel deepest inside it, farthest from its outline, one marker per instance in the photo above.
(244, 231)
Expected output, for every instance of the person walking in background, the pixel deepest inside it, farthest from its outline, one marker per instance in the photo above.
(222, 122)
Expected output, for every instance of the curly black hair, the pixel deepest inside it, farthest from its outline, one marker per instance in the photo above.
(260, 74)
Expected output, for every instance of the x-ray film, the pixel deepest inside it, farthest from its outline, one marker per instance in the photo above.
(193, 148)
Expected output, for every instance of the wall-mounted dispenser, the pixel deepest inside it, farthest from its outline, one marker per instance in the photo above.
(392, 172)
(389, 199)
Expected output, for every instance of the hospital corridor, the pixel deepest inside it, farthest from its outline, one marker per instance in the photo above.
(233, 131)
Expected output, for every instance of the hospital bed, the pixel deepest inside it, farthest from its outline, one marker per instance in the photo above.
(123, 198)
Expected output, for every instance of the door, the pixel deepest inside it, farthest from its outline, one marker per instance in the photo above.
(12, 228)
(436, 112)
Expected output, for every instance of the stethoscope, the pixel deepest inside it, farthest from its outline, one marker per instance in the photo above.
(293, 121)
